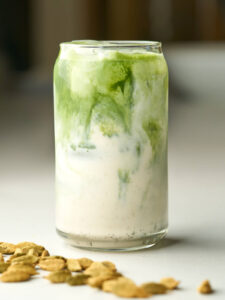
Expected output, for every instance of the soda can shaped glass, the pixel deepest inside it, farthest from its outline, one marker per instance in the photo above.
(111, 123)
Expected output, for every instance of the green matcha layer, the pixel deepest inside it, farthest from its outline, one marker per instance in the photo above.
(119, 92)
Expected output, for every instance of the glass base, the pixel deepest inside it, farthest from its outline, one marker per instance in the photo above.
(119, 245)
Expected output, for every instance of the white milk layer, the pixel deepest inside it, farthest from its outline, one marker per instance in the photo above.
(91, 199)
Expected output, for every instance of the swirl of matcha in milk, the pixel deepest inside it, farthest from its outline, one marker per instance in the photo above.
(106, 91)
(111, 140)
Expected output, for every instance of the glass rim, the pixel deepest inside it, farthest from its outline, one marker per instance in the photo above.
(113, 44)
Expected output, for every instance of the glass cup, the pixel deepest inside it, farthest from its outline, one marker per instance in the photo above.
(111, 122)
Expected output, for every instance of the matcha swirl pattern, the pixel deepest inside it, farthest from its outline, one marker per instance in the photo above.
(111, 111)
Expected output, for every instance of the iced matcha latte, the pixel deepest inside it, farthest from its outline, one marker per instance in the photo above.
(111, 143)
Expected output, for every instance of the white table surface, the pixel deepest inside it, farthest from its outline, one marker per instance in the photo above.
(195, 247)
